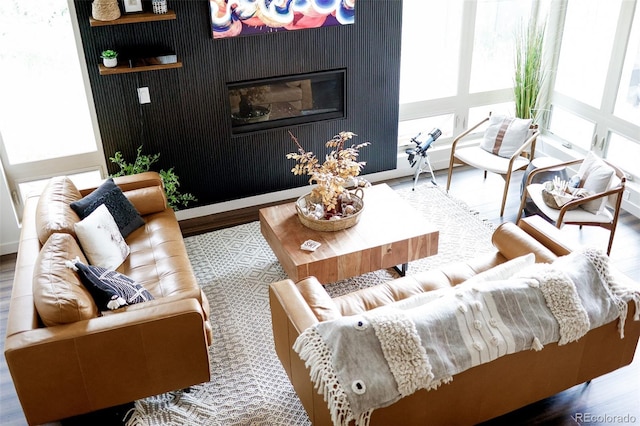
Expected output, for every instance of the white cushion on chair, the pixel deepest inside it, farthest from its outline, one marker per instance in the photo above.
(481, 159)
(577, 215)
(505, 135)
(595, 176)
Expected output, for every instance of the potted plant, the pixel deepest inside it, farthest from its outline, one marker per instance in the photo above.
(170, 180)
(330, 201)
(109, 58)
(530, 73)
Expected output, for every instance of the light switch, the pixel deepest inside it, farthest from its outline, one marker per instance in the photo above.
(143, 95)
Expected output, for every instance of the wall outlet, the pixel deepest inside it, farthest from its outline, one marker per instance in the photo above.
(143, 95)
(626, 194)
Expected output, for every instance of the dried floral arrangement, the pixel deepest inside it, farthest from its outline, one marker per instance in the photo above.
(339, 170)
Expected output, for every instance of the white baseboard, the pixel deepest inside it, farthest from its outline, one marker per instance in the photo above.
(8, 247)
(439, 160)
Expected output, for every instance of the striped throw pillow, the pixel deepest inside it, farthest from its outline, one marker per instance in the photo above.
(505, 135)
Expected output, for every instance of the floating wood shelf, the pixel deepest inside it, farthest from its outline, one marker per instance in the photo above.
(125, 68)
(134, 18)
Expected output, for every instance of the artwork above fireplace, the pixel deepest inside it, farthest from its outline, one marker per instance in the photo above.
(284, 101)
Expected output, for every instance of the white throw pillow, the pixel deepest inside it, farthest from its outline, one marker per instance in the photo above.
(505, 135)
(505, 270)
(101, 239)
(595, 176)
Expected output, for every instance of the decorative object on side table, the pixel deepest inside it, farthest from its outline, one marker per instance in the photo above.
(558, 192)
(109, 58)
(105, 10)
(331, 206)
(159, 6)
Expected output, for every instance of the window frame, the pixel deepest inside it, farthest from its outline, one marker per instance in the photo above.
(603, 117)
(16, 174)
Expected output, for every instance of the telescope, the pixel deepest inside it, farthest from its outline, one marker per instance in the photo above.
(422, 147)
(421, 150)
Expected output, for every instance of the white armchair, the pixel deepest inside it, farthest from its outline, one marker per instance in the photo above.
(508, 145)
(606, 185)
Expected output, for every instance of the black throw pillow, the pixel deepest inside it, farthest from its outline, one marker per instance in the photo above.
(110, 194)
(109, 289)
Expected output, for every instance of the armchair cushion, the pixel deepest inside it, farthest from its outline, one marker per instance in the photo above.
(505, 135)
(109, 194)
(595, 176)
(479, 158)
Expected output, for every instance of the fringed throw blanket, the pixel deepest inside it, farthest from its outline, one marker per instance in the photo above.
(363, 362)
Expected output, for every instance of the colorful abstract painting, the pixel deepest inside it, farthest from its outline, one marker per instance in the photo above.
(231, 18)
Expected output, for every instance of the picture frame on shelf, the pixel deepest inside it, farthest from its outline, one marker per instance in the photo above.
(132, 6)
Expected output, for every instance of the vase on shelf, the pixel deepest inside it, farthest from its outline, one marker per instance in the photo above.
(159, 6)
(105, 10)
(110, 62)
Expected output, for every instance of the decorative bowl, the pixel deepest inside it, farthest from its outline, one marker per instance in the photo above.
(335, 223)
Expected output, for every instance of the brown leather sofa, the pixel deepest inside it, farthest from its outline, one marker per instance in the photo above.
(115, 357)
(477, 394)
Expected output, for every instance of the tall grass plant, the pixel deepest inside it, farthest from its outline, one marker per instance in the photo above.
(530, 73)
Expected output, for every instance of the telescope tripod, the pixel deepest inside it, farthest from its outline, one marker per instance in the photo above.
(424, 157)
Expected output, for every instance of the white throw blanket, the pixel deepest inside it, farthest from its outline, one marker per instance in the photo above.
(363, 362)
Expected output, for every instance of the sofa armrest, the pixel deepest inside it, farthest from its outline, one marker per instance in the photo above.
(547, 234)
(89, 365)
(513, 242)
(144, 190)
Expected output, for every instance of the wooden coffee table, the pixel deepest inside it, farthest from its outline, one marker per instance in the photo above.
(390, 233)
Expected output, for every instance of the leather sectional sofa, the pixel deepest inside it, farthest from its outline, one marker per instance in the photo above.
(479, 393)
(89, 360)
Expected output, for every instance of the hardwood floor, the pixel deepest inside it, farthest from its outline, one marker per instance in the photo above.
(614, 394)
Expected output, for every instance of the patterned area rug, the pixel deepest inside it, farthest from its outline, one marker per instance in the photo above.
(235, 266)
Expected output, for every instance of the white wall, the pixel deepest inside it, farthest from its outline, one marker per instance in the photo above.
(9, 228)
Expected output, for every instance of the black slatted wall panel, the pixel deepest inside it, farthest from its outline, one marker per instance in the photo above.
(188, 119)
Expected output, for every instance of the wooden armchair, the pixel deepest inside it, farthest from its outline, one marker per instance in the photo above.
(572, 213)
(498, 160)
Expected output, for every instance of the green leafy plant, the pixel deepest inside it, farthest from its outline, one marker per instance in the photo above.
(339, 168)
(170, 180)
(109, 54)
(530, 73)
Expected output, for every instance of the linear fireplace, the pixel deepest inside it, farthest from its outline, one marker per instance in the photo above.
(284, 101)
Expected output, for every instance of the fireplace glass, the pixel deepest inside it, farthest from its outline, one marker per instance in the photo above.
(284, 101)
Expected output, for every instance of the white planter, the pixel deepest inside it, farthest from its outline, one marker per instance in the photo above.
(110, 62)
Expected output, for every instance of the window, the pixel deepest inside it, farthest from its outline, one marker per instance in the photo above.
(623, 152)
(457, 62)
(628, 101)
(496, 24)
(596, 98)
(46, 123)
(572, 129)
(431, 34)
(587, 39)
